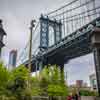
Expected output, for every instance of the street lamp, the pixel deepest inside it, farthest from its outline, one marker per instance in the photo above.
(2, 34)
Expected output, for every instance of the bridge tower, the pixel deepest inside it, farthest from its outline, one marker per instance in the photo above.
(46, 25)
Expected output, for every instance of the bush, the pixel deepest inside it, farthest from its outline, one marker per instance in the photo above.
(88, 93)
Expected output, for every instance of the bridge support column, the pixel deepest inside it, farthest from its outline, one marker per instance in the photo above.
(97, 66)
(95, 39)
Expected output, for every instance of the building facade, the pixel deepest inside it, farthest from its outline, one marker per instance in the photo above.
(12, 59)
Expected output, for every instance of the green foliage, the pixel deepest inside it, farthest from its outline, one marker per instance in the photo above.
(49, 82)
(20, 72)
(35, 86)
(14, 84)
(52, 82)
(5, 94)
(4, 76)
(18, 80)
(57, 90)
(88, 93)
(55, 74)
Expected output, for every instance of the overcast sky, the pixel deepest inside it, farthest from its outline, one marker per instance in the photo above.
(17, 14)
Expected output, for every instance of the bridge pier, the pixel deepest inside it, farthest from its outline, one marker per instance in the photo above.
(95, 39)
(97, 66)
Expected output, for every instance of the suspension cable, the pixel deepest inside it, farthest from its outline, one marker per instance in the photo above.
(72, 8)
(61, 7)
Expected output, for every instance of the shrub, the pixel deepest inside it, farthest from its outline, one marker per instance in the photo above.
(88, 93)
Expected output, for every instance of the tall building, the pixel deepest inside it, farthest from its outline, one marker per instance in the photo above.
(2, 33)
(12, 59)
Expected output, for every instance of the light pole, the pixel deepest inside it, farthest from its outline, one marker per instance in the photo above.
(32, 25)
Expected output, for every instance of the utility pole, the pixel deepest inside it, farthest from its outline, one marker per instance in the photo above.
(32, 25)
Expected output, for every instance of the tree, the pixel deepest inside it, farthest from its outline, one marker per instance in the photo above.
(57, 86)
(57, 90)
(44, 81)
(51, 81)
(5, 94)
(18, 82)
(14, 84)
(35, 86)
(4, 75)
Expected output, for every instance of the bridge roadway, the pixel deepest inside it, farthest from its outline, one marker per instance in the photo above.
(74, 45)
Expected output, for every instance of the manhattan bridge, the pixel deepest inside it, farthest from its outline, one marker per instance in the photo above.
(70, 31)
